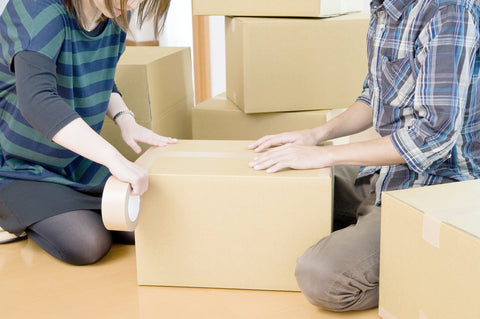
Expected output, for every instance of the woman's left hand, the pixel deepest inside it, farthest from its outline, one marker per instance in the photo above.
(133, 133)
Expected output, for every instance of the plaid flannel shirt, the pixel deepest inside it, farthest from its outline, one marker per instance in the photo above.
(423, 88)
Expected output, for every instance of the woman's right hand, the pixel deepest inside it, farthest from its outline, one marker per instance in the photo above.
(80, 138)
(303, 137)
(129, 172)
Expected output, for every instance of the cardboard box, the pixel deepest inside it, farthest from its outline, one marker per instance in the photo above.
(209, 220)
(220, 119)
(278, 8)
(430, 252)
(156, 84)
(277, 65)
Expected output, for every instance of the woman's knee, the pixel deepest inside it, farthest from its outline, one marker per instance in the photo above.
(76, 237)
(88, 250)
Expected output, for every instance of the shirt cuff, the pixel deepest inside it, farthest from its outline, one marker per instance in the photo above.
(363, 99)
(411, 153)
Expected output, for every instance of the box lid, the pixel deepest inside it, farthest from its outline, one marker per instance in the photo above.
(144, 55)
(456, 204)
(286, 8)
(213, 158)
(252, 21)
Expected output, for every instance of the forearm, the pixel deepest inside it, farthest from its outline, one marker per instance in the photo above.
(80, 138)
(378, 152)
(357, 118)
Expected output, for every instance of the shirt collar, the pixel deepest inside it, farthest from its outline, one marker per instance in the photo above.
(394, 8)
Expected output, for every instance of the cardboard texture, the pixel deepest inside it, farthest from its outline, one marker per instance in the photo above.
(430, 252)
(276, 65)
(156, 84)
(279, 8)
(220, 119)
(209, 220)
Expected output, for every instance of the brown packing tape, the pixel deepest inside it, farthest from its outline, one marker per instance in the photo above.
(120, 210)
(382, 312)
(431, 228)
(207, 154)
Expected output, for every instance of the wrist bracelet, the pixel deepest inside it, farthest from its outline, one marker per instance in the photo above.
(120, 113)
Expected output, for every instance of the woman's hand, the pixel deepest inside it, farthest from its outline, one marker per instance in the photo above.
(133, 133)
(293, 156)
(304, 137)
(129, 172)
(79, 137)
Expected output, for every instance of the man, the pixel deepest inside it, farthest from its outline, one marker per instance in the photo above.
(421, 96)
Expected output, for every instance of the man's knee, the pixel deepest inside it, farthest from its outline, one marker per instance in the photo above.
(316, 279)
(331, 286)
(340, 272)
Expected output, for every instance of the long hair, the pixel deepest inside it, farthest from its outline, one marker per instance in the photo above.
(148, 9)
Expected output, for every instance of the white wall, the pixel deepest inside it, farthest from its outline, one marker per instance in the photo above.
(178, 27)
(3, 3)
(217, 54)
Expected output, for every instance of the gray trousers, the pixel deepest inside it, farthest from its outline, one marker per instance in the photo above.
(340, 272)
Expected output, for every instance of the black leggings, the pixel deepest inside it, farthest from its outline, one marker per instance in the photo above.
(77, 237)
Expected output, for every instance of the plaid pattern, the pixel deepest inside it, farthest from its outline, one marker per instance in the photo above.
(423, 87)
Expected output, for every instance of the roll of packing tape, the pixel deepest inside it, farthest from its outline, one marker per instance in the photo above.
(120, 210)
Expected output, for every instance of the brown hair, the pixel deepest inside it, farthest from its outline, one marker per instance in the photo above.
(148, 9)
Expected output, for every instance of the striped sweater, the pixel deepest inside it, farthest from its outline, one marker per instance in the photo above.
(85, 67)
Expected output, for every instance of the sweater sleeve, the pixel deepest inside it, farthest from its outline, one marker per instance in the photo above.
(37, 94)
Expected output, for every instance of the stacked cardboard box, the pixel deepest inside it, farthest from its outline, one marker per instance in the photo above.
(220, 119)
(288, 62)
(277, 8)
(430, 252)
(156, 84)
(282, 64)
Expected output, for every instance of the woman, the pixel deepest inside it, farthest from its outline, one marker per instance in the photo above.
(57, 66)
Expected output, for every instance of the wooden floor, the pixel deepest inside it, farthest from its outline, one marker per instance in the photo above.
(35, 285)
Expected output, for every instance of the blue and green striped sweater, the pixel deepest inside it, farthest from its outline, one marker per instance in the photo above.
(85, 71)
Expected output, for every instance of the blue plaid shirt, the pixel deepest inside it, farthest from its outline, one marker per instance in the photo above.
(423, 88)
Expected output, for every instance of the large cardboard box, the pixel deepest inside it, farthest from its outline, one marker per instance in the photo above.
(430, 252)
(279, 8)
(156, 84)
(209, 220)
(277, 65)
(220, 119)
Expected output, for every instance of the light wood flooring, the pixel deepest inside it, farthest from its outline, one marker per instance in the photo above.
(35, 285)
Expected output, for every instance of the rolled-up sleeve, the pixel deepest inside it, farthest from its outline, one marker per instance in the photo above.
(449, 44)
(366, 97)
